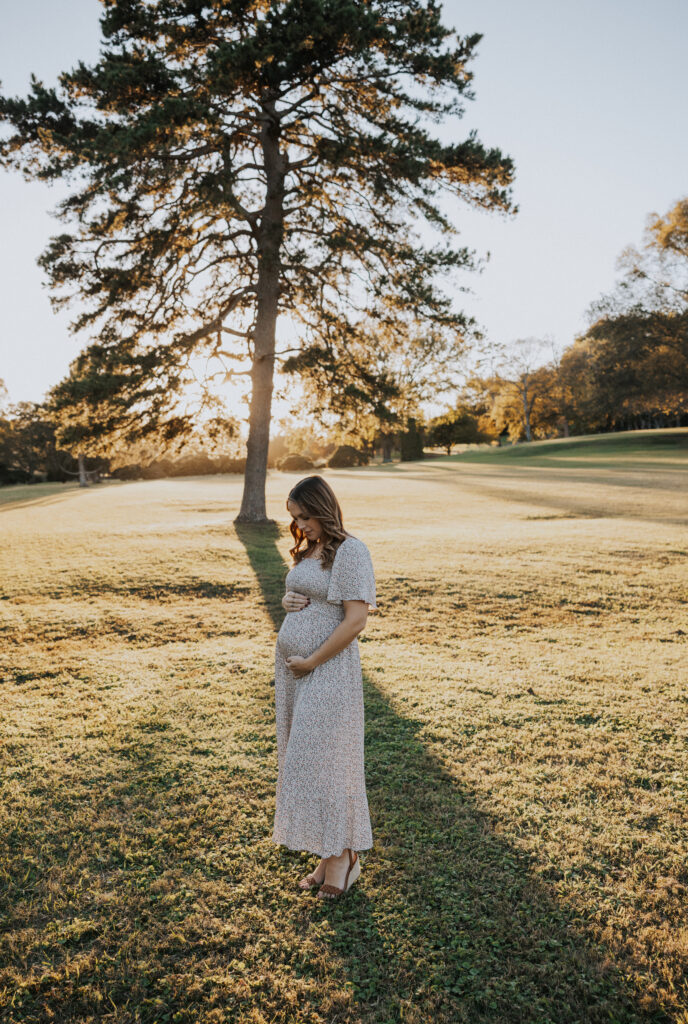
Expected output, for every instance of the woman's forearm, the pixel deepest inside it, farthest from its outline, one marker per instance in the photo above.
(339, 638)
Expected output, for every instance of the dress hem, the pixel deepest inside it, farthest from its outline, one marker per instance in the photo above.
(308, 849)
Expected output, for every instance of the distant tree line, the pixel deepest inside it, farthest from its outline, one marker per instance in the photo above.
(628, 371)
(30, 452)
(28, 449)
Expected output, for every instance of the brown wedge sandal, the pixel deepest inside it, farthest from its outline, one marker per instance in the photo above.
(331, 892)
(310, 881)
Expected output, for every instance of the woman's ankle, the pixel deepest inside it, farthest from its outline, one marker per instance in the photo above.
(343, 856)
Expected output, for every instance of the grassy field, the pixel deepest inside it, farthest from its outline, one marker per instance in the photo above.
(607, 450)
(526, 752)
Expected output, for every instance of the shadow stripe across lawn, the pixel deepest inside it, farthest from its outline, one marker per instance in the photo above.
(448, 923)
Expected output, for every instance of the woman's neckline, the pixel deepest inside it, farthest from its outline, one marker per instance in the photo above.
(318, 558)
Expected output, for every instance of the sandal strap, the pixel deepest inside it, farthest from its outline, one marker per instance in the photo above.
(311, 880)
(330, 890)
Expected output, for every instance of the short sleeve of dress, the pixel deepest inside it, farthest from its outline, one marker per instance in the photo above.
(352, 577)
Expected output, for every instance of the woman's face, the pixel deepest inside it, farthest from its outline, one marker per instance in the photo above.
(307, 524)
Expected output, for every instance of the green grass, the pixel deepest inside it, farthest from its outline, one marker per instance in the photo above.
(526, 755)
(635, 445)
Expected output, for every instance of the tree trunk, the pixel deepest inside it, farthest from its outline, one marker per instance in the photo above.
(262, 372)
(526, 411)
(268, 289)
(83, 479)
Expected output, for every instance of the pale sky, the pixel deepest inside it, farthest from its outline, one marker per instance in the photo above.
(588, 98)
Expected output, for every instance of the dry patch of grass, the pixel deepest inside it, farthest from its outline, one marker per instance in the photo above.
(527, 756)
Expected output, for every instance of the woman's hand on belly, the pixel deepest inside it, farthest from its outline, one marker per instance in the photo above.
(299, 666)
(294, 602)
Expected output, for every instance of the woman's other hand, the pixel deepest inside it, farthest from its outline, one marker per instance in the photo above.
(294, 602)
(299, 666)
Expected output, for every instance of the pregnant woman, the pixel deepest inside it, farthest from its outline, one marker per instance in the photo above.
(321, 796)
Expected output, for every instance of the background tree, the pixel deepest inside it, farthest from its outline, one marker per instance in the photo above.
(515, 381)
(654, 277)
(29, 450)
(233, 162)
(459, 426)
(638, 335)
(627, 372)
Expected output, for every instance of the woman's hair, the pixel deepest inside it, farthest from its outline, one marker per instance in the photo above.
(317, 499)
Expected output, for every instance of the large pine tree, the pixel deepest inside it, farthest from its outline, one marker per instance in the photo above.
(234, 160)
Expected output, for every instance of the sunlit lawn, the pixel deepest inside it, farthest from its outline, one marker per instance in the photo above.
(21, 494)
(526, 753)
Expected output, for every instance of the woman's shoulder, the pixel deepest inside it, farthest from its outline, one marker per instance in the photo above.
(351, 541)
(353, 576)
(354, 545)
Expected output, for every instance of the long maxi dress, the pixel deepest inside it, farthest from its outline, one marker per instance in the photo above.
(321, 802)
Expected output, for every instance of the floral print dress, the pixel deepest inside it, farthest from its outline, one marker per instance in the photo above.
(321, 804)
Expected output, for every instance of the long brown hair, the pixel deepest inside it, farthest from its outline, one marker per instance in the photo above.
(317, 499)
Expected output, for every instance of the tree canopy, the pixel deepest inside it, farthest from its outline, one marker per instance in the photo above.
(231, 162)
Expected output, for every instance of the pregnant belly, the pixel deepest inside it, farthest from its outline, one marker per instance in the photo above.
(304, 631)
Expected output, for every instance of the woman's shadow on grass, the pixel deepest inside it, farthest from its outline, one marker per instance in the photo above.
(456, 927)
